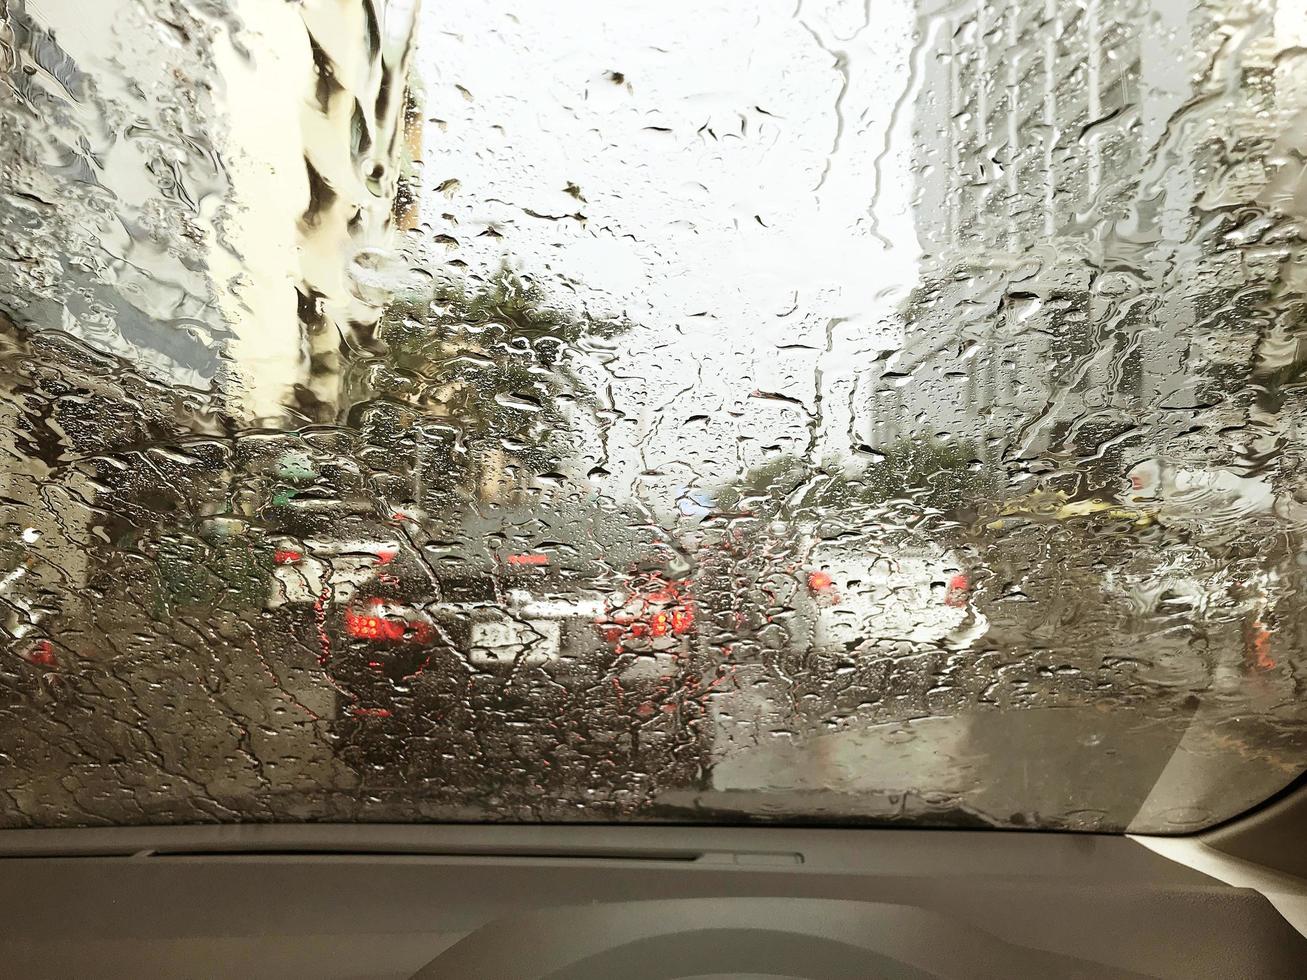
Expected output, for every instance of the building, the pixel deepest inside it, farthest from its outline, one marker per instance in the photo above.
(1075, 166)
(193, 188)
(188, 191)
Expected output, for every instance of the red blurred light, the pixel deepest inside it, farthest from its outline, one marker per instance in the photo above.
(286, 556)
(819, 581)
(530, 559)
(362, 626)
(682, 621)
(371, 712)
(42, 654)
(654, 607)
(1258, 645)
(386, 555)
(956, 593)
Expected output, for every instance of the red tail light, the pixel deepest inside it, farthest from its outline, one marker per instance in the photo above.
(819, 581)
(363, 626)
(286, 556)
(530, 559)
(1257, 644)
(956, 593)
(653, 607)
(42, 654)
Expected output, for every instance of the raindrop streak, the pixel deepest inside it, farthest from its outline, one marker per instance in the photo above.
(482, 412)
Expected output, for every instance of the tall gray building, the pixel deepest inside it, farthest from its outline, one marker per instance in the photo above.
(1074, 166)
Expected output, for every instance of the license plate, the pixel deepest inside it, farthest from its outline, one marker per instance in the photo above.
(507, 641)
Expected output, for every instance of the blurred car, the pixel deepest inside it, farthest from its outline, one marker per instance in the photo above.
(306, 569)
(1047, 506)
(860, 591)
(1189, 591)
(581, 593)
(503, 618)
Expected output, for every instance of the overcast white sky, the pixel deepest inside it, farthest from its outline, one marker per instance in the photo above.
(731, 171)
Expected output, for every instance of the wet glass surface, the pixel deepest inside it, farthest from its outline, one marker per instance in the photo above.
(825, 411)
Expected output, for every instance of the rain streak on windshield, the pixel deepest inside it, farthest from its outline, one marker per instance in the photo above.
(835, 411)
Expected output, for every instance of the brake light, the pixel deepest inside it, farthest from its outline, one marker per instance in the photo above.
(42, 654)
(363, 626)
(956, 593)
(528, 559)
(819, 581)
(386, 555)
(286, 556)
(654, 608)
(1257, 644)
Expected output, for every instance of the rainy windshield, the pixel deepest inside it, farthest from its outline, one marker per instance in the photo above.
(884, 413)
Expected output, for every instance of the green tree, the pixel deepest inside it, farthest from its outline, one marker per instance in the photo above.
(949, 477)
(491, 369)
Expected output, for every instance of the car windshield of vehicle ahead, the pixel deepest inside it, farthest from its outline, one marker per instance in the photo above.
(795, 411)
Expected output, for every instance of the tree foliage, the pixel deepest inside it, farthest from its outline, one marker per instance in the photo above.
(925, 473)
(495, 362)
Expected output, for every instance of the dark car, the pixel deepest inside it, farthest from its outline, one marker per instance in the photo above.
(574, 592)
(580, 614)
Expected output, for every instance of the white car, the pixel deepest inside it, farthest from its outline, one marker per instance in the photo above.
(528, 629)
(305, 572)
(862, 591)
